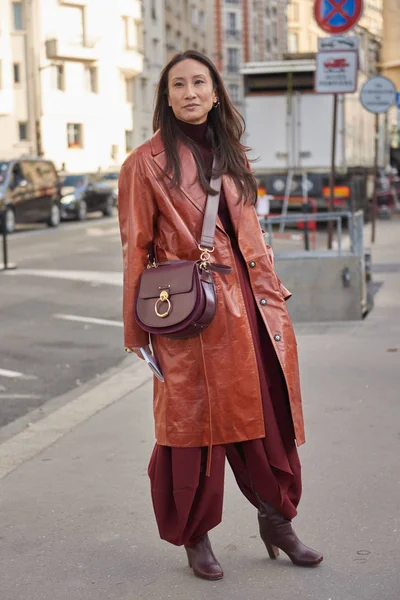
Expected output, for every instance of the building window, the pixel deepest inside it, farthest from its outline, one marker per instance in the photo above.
(91, 80)
(232, 30)
(129, 92)
(231, 21)
(73, 23)
(293, 42)
(130, 33)
(233, 60)
(156, 52)
(74, 135)
(293, 12)
(143, 83)
(17, 72)
(139, 33)
(195, 16)
(202, 21)
(23, 131)
(60, 77)
(18, 16)
(128, 140)
(234, 92)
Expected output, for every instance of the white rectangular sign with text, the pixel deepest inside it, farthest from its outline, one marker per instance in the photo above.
(336, 72)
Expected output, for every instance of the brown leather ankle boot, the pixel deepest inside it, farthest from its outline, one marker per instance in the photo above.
(277, 532)
(202, 560)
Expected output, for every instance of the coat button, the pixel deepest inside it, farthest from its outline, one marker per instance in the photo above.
(277, 337)
(263, 302)
(252, 264)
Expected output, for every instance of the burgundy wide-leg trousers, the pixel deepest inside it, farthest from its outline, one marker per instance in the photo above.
(187, 503)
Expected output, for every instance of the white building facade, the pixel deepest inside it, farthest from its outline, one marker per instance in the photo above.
(70, 74)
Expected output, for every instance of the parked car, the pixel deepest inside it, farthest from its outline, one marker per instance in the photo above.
(82, 193)
(111, 177)
(29, 192)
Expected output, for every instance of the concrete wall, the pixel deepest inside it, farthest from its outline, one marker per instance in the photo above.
(318, 290)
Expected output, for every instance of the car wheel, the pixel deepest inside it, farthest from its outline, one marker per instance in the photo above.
(9, 220)
(81, 211)
(108, 210)
(55, 216)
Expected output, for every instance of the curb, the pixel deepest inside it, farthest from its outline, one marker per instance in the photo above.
(43, 427)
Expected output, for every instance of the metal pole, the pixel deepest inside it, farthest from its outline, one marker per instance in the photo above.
(304, 209)
(332, 175)
(6, 266)
(289, 148)
(374, 203)
(4, 231)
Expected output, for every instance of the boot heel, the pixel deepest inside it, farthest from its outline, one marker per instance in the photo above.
(202, 560)
(273, 551)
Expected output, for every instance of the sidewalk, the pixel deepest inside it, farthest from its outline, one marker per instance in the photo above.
(77, 521)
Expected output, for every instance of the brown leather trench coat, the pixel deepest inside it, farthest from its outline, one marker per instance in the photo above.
(211, 393)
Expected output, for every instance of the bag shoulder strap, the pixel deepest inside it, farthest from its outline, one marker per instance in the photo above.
(211, 212)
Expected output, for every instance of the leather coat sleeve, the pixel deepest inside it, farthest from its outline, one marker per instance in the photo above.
(137, 211)
(284, 291)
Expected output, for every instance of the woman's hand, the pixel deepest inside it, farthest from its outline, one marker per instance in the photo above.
(136, 350)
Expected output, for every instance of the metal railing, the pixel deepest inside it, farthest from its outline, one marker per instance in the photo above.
(355, 227)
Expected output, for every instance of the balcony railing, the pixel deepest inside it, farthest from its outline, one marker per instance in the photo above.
(233, 34)
(73, 49)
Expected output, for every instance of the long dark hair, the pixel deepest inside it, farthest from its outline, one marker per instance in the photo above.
(225, 129)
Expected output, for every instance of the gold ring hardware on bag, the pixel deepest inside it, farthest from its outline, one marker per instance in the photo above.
(205, 257)
(163, 298)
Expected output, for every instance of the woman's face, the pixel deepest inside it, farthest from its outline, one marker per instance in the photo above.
(190, 91)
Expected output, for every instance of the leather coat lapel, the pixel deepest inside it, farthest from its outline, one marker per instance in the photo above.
(235, 209)
(189, 184)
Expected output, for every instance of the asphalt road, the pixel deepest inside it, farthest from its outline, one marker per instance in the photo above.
(60, 309)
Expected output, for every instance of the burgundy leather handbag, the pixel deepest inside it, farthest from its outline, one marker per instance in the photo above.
(177, 299)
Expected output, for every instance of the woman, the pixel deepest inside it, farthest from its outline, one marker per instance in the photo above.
(235, 387)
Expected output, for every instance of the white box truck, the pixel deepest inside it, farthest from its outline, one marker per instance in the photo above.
(289, 129)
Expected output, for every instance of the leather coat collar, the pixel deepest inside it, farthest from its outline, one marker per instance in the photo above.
(192, 188)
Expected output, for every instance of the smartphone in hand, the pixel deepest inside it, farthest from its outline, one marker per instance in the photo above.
(152, 363)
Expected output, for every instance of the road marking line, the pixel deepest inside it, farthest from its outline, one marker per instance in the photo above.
(19, 397)
(89, 320)
(97, 232)
(105, 277)
(15, 374)
(40, 435)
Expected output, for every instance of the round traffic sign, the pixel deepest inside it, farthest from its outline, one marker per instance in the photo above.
(378, 94)
(337, 16)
